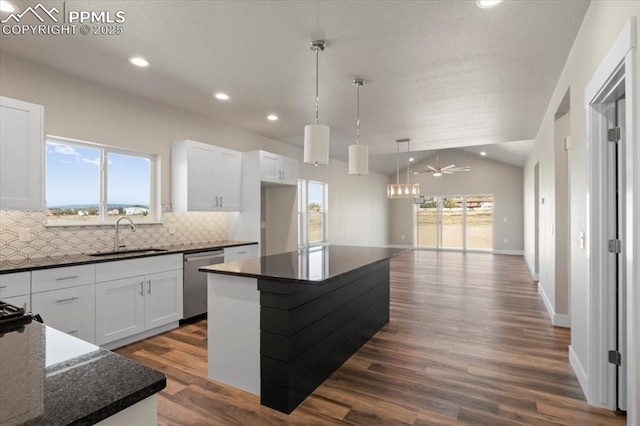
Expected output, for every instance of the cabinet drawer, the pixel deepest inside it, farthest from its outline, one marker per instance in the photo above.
(119, 269)
(83, 328)
(240, 252)
(57, 278)
(21, 301)
(17, 284)
(63, 305)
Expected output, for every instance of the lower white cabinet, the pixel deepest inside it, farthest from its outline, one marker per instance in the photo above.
(70, 310)
(119, 309)
(133, 305)
(65, 298)
(240, 252)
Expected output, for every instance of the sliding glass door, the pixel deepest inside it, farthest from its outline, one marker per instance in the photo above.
(455, 222)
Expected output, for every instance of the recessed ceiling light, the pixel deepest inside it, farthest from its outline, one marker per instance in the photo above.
(486, 4)
(139, 61)
(272, 117)
(411, 159)
(5, 6)
(222, 96)
(483, 153)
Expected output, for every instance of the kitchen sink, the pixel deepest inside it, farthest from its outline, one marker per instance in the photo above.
(128, 252)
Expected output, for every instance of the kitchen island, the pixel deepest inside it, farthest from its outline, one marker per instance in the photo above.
(279, 325)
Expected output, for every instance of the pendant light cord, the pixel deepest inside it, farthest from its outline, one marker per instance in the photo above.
(317, 96)
(358, 122)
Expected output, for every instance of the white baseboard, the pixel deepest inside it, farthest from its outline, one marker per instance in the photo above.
(534, 274)
(405, 246)
(510, 252)
(579, 371)
(562, 320)
(557, 320)
(136, 337)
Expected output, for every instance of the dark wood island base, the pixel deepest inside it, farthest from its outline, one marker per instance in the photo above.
(279, 325)
(307, 332)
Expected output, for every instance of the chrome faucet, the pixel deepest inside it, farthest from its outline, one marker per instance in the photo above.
(116, 243)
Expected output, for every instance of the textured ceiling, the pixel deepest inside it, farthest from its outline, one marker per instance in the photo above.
(443, 73)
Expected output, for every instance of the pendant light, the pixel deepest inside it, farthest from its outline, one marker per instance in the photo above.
(358, 154)
(402, 190)
(316, 136)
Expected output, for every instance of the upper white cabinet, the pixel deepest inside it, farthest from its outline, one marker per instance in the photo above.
(205, 177)
(21, 155)
(275, 168)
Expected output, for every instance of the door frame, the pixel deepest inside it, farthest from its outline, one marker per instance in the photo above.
(617, 71)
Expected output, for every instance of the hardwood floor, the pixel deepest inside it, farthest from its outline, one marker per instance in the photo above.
(469, 342)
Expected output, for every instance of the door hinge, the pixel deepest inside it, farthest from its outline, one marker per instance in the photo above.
(613, 135)
(615, 246)
(615, 358)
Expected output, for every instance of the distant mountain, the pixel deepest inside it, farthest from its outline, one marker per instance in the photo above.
(86, 206)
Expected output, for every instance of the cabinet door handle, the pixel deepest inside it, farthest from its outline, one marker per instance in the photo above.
(69, 299)
(221, 201)
(242, 252)
(3, 286)
(67, 278)
(141, 288)
(149, 282)
(72, 332)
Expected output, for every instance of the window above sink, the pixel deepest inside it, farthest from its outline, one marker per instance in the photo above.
(92, 184)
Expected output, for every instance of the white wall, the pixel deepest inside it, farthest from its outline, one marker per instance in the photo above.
(602, 23)
(486, 176)
(80, 109)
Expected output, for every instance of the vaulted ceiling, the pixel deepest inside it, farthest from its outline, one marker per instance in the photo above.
(443, 73)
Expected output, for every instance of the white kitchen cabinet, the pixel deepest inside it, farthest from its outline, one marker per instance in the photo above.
(15, 284)
(119, 309)
(21, 155)
(65, 298)
(240, 252)
(205, 177)
(137, 295)
(278, 169)
(64, 277)
(163, 300)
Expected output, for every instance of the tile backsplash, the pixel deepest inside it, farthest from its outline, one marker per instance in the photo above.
(187, 228)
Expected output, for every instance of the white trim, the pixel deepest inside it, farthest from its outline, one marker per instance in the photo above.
(578, 369)
(618, 64)
(534, 276)
(140, 336)
(560, 320)
(625, 42)
(510, 252)
(407, 246)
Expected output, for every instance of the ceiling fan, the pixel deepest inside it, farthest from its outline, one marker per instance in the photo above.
(437, 170)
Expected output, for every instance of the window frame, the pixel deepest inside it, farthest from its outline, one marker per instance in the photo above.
(303, 213)
(154, 181)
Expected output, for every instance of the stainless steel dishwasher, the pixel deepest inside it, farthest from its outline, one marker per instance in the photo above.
(195, 282)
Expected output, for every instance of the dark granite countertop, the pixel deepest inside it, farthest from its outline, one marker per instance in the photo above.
(51, 378)
(309, 265)
(71, 260)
